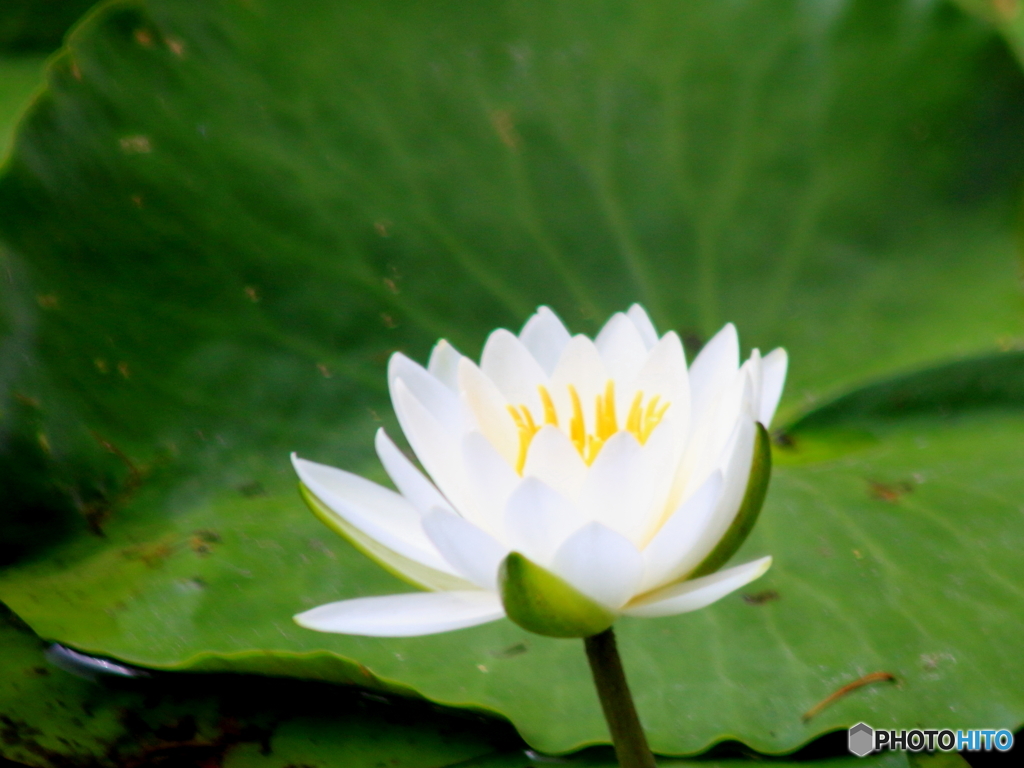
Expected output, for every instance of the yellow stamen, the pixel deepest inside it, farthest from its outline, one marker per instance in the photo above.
(550, 414)
(527, 429)
(577, 427)
(641, 421)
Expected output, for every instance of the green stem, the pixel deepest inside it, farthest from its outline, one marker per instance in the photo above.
(628, 737)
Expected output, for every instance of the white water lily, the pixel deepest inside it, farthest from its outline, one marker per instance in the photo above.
(567, 481)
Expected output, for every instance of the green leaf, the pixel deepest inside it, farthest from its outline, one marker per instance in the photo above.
(539, 601)
(222, 219)
(19, 77)
(51, 719)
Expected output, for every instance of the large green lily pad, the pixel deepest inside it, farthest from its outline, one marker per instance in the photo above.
(222, 219)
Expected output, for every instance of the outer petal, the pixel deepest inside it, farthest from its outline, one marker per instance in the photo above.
(436, 447)
(491, 480)
(490, 409)
(419, 613)
(414, 572)
(622, 348)
(444, 364)
(714, 368)
(472, 553)
(643, 324)
(440, 401)
(381, 514)
(545, 336)
(508, 363)
(554, 460)
(538, 520)
(696, 594)
(601, 564)
(736, 476)
(412, 484)
(773, 373)
(666, 555)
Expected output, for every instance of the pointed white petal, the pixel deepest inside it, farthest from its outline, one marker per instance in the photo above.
(554, 460)
(581, 367)
(643, 324)
(442, 403)
(491, 480)
(773, 372)
(545, 336)
(490, 410)
(627, 485)
(713, 368)
(606, 496)
(444, 364)
(601, 564)
(381, 514)
(412, 484)
(663, 374)
(538, 520)
(735, 477)
(472, 553)
(666, 555)
(436, 447)
(411, 615)
(696, 594)
(508, 363)
(622, 348)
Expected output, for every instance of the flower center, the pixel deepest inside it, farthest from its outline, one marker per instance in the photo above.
(641, 420)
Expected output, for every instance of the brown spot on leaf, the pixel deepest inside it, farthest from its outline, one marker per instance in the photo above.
(511, 651)
(48, 301)
(760, 598)
(504, 125)
(890, 492)
(136, 145)
(143, 37)
(253, 293)
(388, 320)
(175, 46)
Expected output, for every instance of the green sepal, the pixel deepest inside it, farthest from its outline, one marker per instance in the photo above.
(750, 507)
(407, 570)
(541, 602)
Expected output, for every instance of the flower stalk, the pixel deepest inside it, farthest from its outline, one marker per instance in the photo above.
(627, 735)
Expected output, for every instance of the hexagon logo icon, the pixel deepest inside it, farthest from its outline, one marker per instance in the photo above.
(861, 739)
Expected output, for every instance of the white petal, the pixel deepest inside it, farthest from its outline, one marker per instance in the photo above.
(643, 324)
(411, 615)
(714, 368)
(412, 484)
(554, 460)
(491, 480)
(508, 363)
(696, 594)
(735, 477)
(622, 348)
(381, 514)
(545, 336)
(444, 364)
(538, 520)
(581, 367)
(601, 564)
(606, 496)
(663, 374)
(442, 403)
(490, 409)
(665, 556)
(625, 482)
(437, 448)
(773, 373)
(472, 553)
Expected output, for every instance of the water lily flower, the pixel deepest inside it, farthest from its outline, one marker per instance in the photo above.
(565, 481)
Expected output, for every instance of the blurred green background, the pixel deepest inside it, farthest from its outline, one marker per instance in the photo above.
(218, 220)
